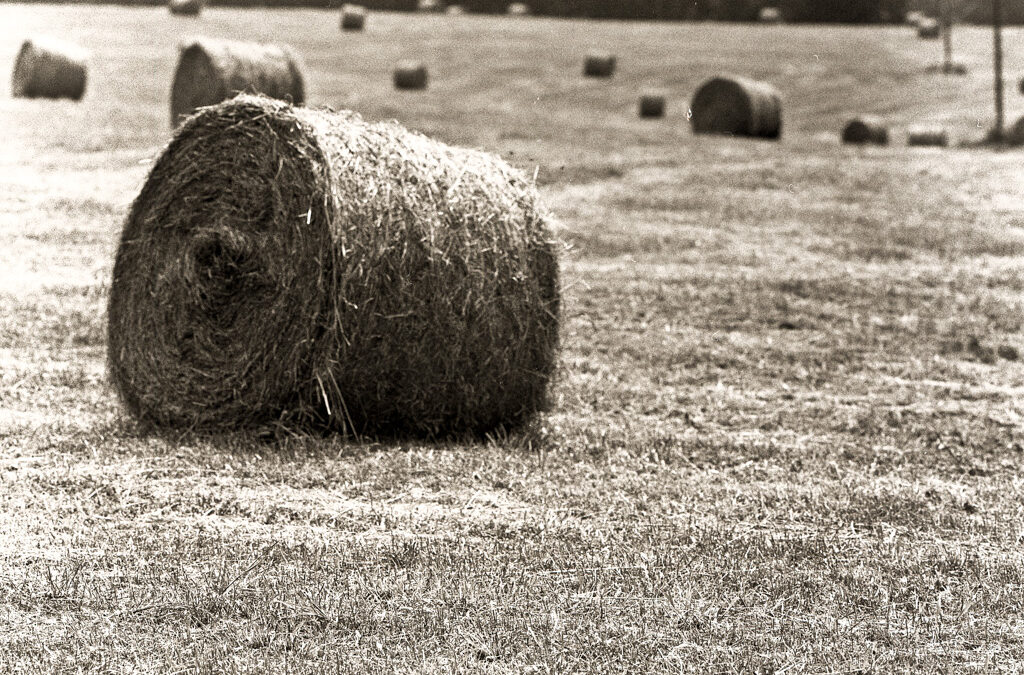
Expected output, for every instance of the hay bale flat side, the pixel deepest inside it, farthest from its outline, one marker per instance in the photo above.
(737, 106)
(866, 129)
(210, 71)
(652, 105)
(518, 9)
(599, 64)
(770, 15)
(929, 29)
(927, 135)
(353, 17)
(185, 7)
(49, 68)
(410, 75)
(305, 267)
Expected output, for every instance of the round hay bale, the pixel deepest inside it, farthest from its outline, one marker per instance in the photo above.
(49, 68)
(518, 9)
(737, 106)
(914, 18)
(353, 17)
(210, 71)
(929, 29)
(305, 267)
(434, 6)
(599, 64)
(410, 75)
(652, 105)
(866, 129)
(927, 135)
(185, 7)
(771, 15)
(454, 10)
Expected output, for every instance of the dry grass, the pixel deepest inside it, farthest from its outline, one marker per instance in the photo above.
(787, 435)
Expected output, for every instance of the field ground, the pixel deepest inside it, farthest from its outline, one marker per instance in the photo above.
(788, 431)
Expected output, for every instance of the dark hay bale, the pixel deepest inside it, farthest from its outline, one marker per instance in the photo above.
(929, 29)
(866, 129)
(49, 68)
(353, 17)
(1020, 85)
(927, 135)
(652, 105)
(410, 75)
(430, 6)
(599, 64)
(299, 266)
(210, 71)
(770, 15)
(185, 7)
(518, 9)
(737, 106)
(1015, 135)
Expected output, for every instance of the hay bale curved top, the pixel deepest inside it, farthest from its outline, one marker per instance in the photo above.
(353, 17)
(210, 71)
(866, 129)
(185, 7)
(737, 106)
(305, 265)
(49, 68)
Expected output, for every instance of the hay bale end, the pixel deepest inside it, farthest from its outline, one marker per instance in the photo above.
(652, 105)
(49, 68)
(430, 6)
(737, 106)
(410, 75)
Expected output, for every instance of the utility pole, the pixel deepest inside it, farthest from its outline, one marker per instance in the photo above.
(947, 36)
(997, 46)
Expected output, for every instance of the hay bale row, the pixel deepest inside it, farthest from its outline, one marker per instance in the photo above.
(283, 264)
(49, 68)
(599, 64)
(410, 75)
(185, 7)
(866, 130)
(737, 106)
(210, 71)
(353, 17)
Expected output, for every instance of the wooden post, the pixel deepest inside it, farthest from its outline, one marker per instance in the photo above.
(997, 46)
(947, 37)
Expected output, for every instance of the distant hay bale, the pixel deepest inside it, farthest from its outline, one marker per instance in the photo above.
(210, 71)
(652, 105)
(599, 64)
(410, 75)
(929, 29)
(927, 135)
(454, 10)
(866, 129)
(737, 106)
(185, 7)
(518, 9)
(1015, 136)
(49, 68)
(1020, 85)
(353, 17)
(914, 18)
(430, 6)
(305, 267)
(770, 15)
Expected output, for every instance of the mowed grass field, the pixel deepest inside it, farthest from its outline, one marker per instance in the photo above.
(788, 426)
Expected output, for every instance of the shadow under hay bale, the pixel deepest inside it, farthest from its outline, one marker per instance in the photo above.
(599, 64)
(770, 15)
(737, 106)
(927, 136)
(210, 71)
(652, 105)
(929, 29)
(866, 130)
(185, 7)
(353, 17)
(49, 68)
(518, 9)
(290, 265)
(410, 75)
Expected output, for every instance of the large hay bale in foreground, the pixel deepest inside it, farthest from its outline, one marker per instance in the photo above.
(927, 135)
(866, 129)
(304, 266)
(599, 64)
(185, 7)
(652, 105)
(353, 17)
(929, 28)
(49, 68)
(210, 71)
(771, 15)
(737, 106)
(410, 75)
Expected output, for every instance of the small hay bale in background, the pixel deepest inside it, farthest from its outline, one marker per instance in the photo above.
(454, 10)
(185, 7)
(914, 18)
(770, 15)
(1015, 136)
(210, 71)
(929, 29)
(599, 64)
(435, 6)
(652, 105)
(353, 17)
(49, 68)
(410, 75)
(306, 267)
(927, 135)
(1020, 85)
(866, 129)
(737, 106)
(518, 9)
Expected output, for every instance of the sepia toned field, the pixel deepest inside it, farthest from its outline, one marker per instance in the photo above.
(788, 425)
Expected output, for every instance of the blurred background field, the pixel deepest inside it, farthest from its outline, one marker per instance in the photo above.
(788, 424)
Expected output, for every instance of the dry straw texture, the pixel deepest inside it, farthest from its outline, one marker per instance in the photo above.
(49, 68)
(737, 106)
(410, 75)
(353, 17)
(599, 64)
(185, 7)
(210, 71)
(866, 129)
(652, 105)
(928, 28)
(927, 135)
(305, 267)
